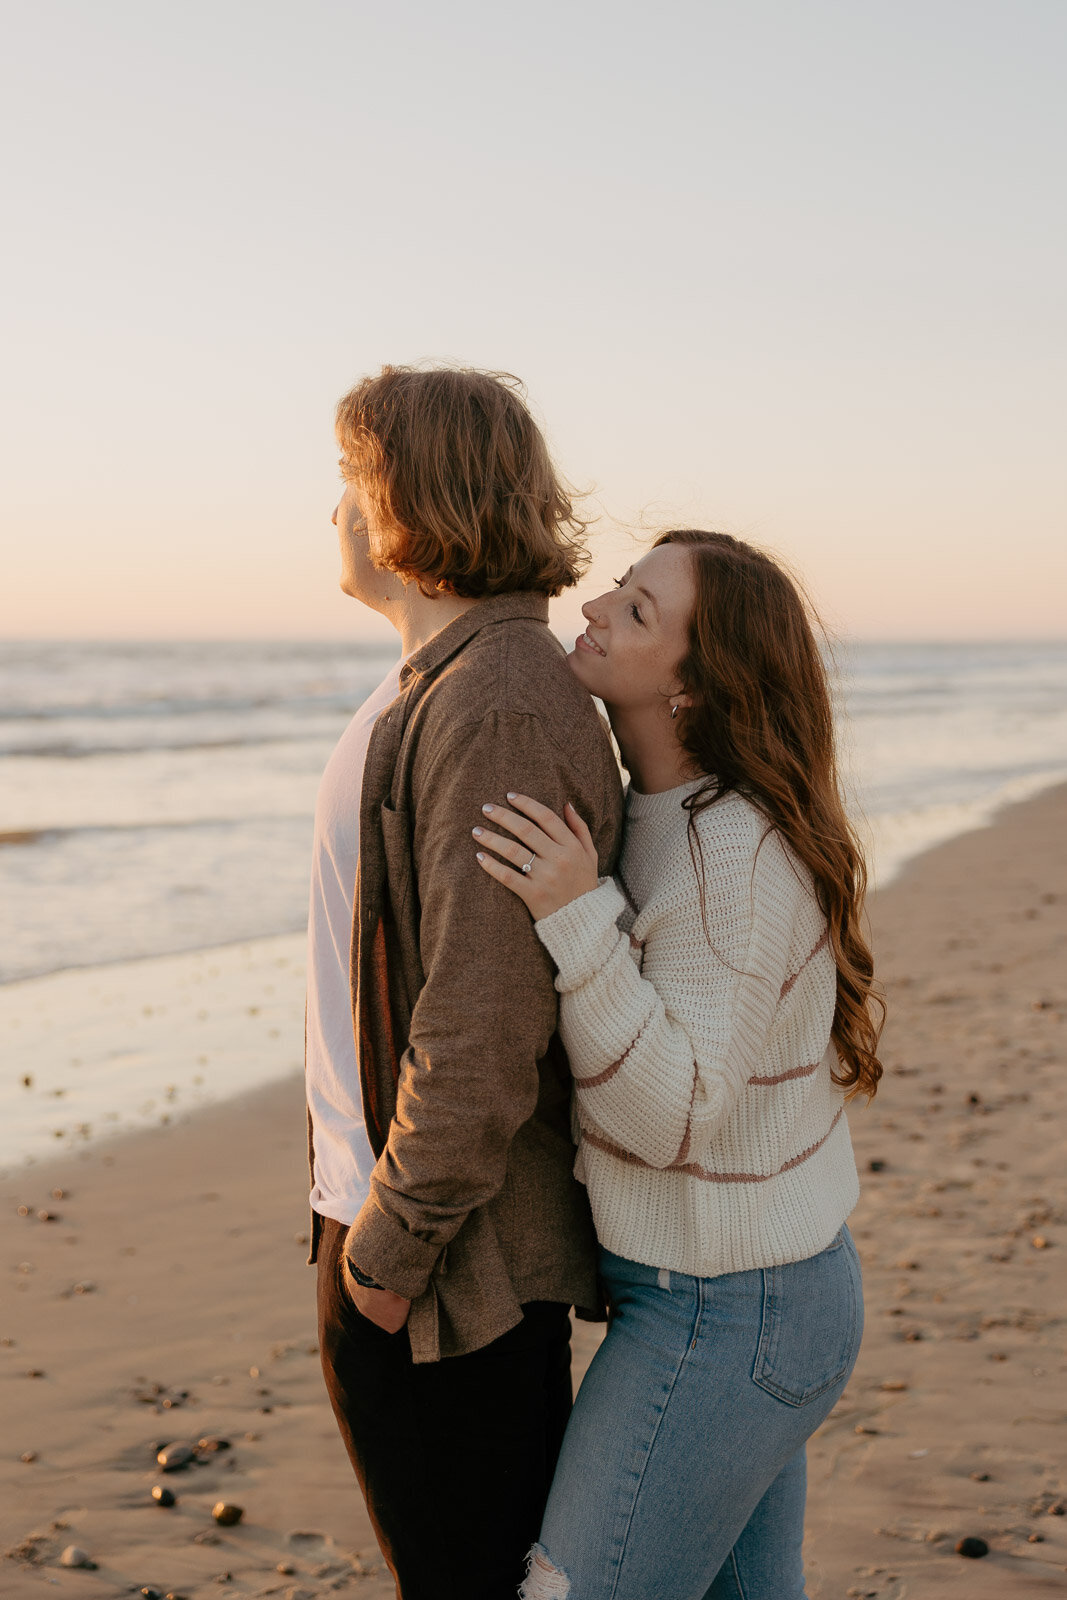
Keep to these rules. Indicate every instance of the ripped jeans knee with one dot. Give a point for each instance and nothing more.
(543, 1580)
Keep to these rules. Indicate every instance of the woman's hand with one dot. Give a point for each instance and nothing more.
(553, 859)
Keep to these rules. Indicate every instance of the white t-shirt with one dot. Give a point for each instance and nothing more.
(343, 1156)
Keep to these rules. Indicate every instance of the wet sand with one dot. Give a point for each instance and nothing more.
(165, 1298)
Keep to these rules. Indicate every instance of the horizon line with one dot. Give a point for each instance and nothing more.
(836, 635)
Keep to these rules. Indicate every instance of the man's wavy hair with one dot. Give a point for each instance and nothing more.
(462, 487)
(761, 722)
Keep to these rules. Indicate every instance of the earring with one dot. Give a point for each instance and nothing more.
(674, 712)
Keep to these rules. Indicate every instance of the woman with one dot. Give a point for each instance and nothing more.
(717, 1007)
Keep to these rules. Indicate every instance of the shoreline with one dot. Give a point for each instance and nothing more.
(890, 854)
(154, 1037)
(167, 1298)
(160, 955)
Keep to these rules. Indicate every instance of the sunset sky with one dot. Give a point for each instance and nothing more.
(792, 270)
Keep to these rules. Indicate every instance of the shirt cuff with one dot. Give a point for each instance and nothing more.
(394, 1257)
(582, 935)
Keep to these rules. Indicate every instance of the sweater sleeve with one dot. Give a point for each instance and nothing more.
(660, 1055)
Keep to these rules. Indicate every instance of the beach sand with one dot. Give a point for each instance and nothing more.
(167, 1298)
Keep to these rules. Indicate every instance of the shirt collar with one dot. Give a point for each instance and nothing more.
(433, 655)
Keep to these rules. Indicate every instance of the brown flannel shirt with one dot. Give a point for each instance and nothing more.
(473, 1208)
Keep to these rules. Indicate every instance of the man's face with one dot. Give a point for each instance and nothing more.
(356, 535)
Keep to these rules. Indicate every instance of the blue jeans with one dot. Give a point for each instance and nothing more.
(682, 1475)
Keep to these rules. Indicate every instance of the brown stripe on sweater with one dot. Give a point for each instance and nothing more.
(609, 1072)
(692, 1170)
(789, 982)
(784, 1077)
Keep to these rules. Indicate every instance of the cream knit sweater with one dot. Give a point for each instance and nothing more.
(712, 1136)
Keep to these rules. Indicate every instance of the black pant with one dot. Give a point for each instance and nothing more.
(454, 1457)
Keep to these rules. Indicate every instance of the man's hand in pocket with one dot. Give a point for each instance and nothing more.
(380, 1306)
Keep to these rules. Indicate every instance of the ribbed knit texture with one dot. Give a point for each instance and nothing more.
(712, 1136)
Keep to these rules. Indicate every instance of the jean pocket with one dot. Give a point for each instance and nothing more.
(812, 1324)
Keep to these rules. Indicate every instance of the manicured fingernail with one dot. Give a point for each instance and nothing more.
(479, 855)
(487, 808)
(512, 794)
(477, 832)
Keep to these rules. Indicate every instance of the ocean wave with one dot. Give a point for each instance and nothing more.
(896, 838)
(74, 752)
(161, 798)
(338, 702)
(14, 837)
(88, 896)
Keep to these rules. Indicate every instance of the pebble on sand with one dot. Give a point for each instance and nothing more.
(75, 1556)
(227, 1515)
(973, 1548)
(173, 1456)
(163, 1496)
(209, 1445)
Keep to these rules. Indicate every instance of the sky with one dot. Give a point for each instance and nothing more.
(795, 271)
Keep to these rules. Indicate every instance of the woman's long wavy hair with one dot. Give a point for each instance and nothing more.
(761, 724)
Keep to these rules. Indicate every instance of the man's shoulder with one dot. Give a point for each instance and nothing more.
(509, 699)
(511, 684)
(514, 667)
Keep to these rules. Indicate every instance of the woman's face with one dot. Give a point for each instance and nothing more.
(638, 632)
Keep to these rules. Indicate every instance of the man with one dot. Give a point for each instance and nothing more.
(450, 1235)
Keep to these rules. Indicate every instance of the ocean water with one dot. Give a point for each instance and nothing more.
(156, 798)
(156, 808)
(936, 738)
